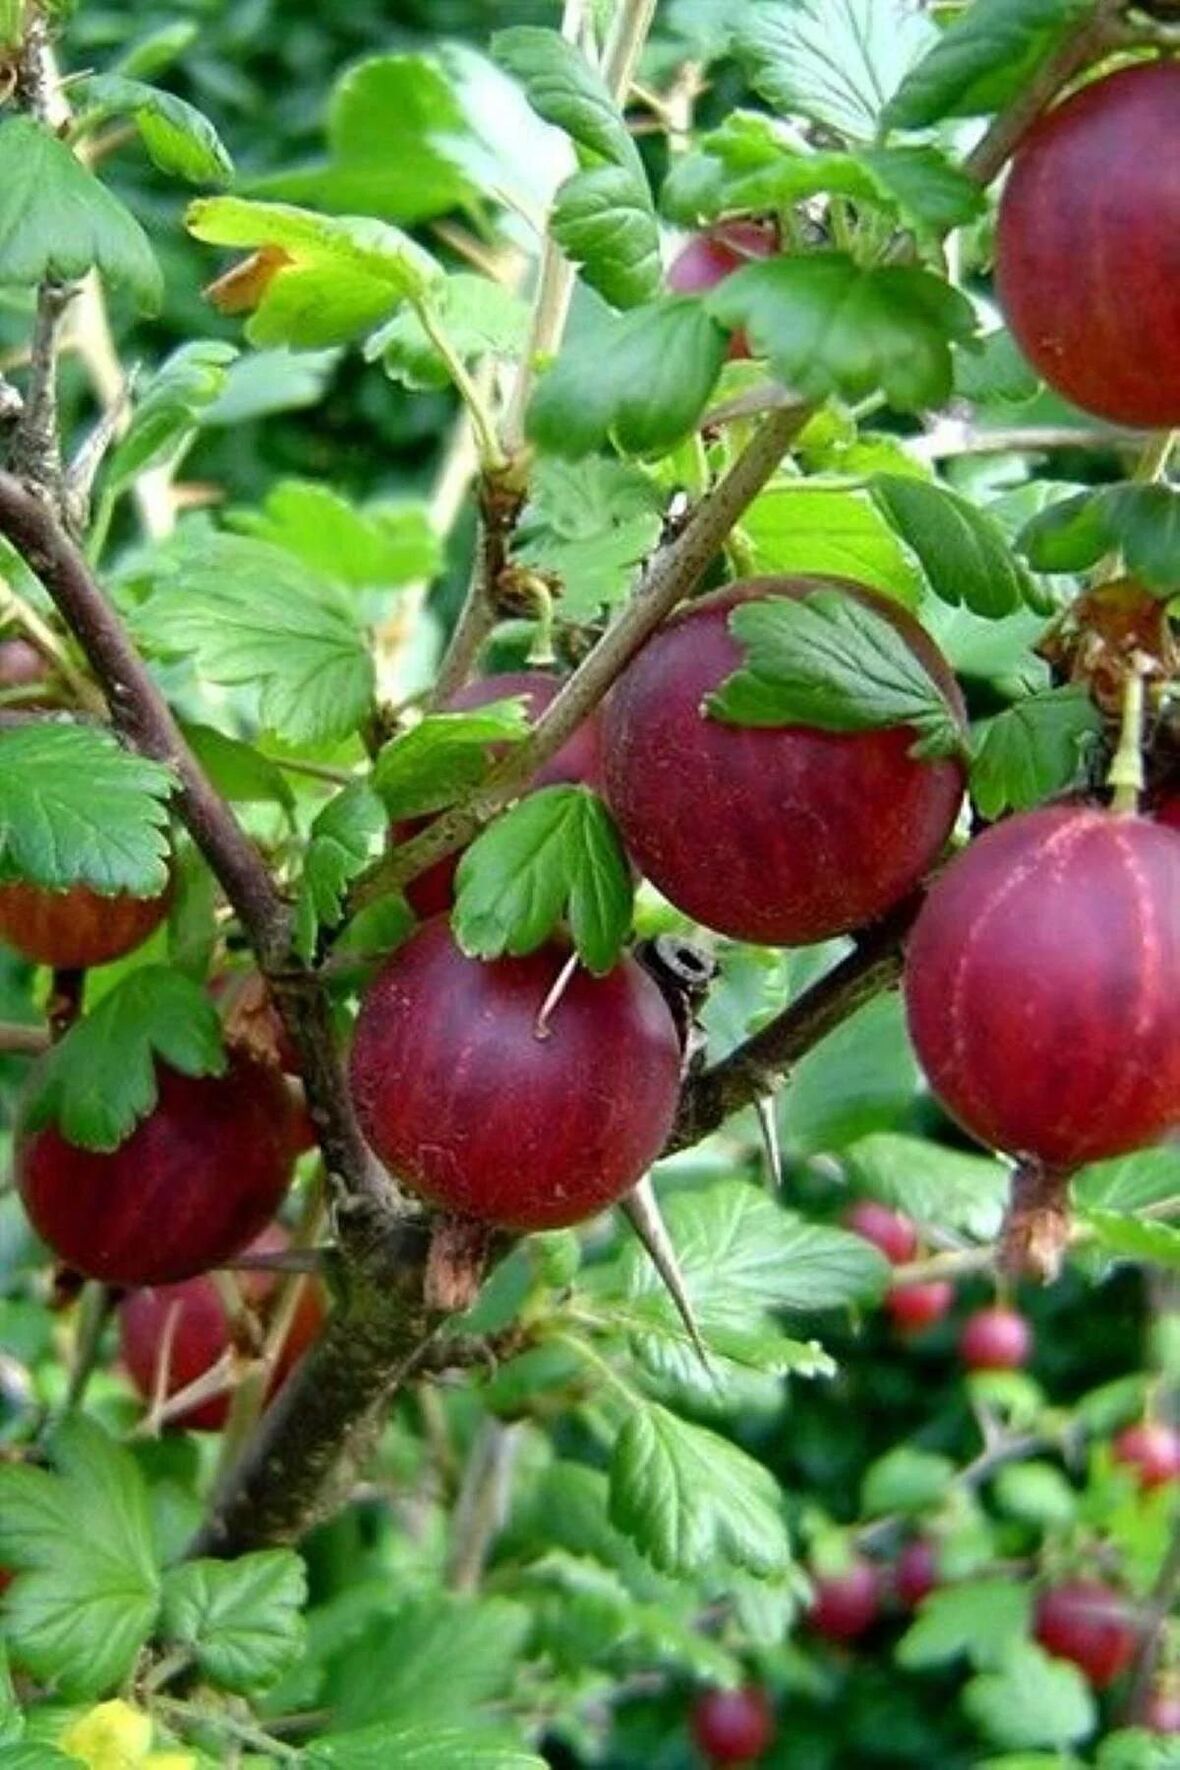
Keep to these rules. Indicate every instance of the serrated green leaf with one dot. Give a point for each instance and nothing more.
(76, 808)
(828, 661)
(85, 1597)
(418, 1748)
(99, 1080)
(556, 855)
(168, 412)
(986, 55)
(1031, 1700)
(1129, 1182)
(178, 137)
(591, 525)
(242, 1619)
(1038, 1493)
(931, 1182)
(437, 1654)
(692, 1501)
(241, 774)
(478, 317)
(249, 612)
(962, 550)
(344, 838)
(1135, 1238)
(380, 546)
(347, 273)
(638, 379)
(1033, 750)
(996, 373)
(801, 527)
(1142, 522)
(836, 61)
(862, 1077)
(830, 325)
(980, 1619)
(57, 221)
(430, 765)
(906, 1480)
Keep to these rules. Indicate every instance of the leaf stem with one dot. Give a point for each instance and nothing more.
(1126, 769)
(492, 458)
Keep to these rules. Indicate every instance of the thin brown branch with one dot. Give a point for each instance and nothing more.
(22, 1041)
(501, 499)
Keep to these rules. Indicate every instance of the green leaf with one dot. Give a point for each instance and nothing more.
(344, 838)
(418, 1748)
(996, 373)
(57, 221)
(168, 413)
(603, 217)
(249, 612)
(800, 527)
(438, 759)
(267, 381)
(987, 55)
(100, 1079)
(1135, 1238)
(379, 547)
(591, 524)
(906, 1480)
(178, 137)
(347, 274)
(693, 1502)
(397, 142)
(1129, 1182)
(980, 1620)
(1142, 522)
(76, 808)
(479, 318)
(640, 380)
(836, 61)
(828, 661)
(1037, 1493)
(556, 855)
(830, 325)
(1031, 1700)
(930, 1182)
(85, 1597)
(240, 773)
(435, 1655)
(1033, 750)
(862, 1077)
(242, 1619)
(962, 550)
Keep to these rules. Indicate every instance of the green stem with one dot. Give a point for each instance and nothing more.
(491, 456)
(1126, 769)
(587, 1353)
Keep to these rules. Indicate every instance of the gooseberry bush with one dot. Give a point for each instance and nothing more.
(589, 884)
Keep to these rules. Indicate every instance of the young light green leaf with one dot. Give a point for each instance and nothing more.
(830, 325)
(906, 1479)
(249, 612)
(961, 549)
(76, 808)
(980, 1619)
(240, 773)
(800, 527)
(430, 765)
(1031, 1700)
(381, 546)
(57, 221)
(986, 55)
(437, 1654)
(639, 379)
(1129, 1182)
(178, 137)
(479, 318)
(1036, 1493)
(417, 1748)
(1135, 1238)
(168, 413)
(691, 1501)
(1033, 750)
(1142, 522)
(556, 855)
(85, 1597)
(344, 838)
(591, 525)
(242, 1619)
(828, 661)
(100, 1079)
(836, 61)
(932, 1183)
(337, 277)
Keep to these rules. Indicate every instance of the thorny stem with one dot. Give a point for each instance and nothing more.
(482, 1502)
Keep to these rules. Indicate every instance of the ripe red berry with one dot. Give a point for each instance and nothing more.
(913, 1307)
(714, 254)
(1085, 265)
(1152, 1448)
(732, 1726)
(915, 1572)
(1087, 1622)
(187, 1324)
(76, 928)
(481, 1112)
(995, 1339)
(1043, 985)
(577, 762)
(783, 835)
(893, 1234)
(22, 666)
(1168, 811)
(846, 1604)
(1162, 1712)
(195, 1181)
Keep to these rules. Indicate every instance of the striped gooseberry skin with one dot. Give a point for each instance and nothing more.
(781, 835)
(483, 1112)
(1042, 985)
(1088, 246)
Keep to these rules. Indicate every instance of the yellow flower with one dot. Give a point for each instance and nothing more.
(115, 1736)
